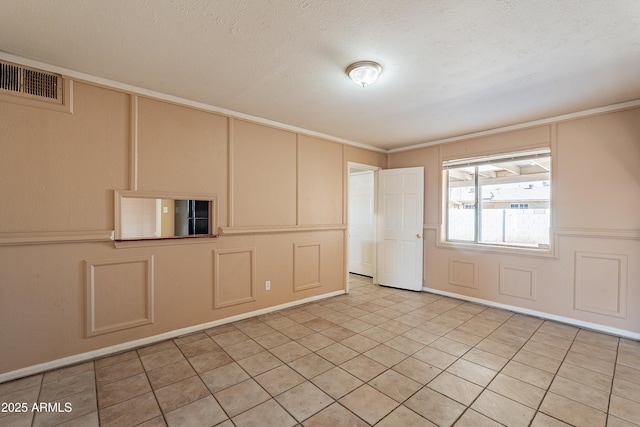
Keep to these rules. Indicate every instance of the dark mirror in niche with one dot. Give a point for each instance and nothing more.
(145, 216)
(191, 217)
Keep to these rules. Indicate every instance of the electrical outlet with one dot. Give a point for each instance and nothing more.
(267, 285)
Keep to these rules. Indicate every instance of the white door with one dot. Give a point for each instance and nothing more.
(400, 227)
(362, 227)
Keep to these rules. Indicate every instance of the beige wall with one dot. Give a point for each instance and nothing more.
(264, 175)
(593, 275)
(65, 289)
(58, 169)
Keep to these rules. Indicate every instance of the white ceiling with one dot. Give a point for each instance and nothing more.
(449, 67)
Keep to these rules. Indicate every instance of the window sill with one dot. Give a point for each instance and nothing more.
(548, 253)
(166, 241)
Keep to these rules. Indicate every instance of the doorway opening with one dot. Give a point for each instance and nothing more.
(361, 220)
(385, 225)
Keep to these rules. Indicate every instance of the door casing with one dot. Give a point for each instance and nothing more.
(352, 166)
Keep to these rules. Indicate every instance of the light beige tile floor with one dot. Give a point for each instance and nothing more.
(378, 356)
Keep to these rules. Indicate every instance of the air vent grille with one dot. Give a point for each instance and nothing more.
(28, 81)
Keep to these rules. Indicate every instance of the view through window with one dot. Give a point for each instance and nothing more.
(500, 200)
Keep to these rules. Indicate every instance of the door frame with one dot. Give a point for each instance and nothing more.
(360, 167)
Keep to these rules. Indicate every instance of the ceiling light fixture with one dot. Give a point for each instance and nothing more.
(364, 73)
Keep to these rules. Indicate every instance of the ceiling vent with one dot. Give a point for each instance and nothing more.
(30, 83)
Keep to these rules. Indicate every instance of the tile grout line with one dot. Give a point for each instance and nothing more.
(253, 379)
(95, 379)
(443, 370)
(33, 415)
(337, 400)
(200, 377)
(468, 407)
(146, 374)
(554, 378)
(613, 378)
(485, 388)
(260, 385)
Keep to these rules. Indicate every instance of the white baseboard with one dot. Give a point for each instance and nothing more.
(82, 357)
(541, 314)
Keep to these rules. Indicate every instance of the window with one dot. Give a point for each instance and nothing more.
(499, 200)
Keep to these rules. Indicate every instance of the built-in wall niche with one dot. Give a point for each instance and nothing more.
(154, 216)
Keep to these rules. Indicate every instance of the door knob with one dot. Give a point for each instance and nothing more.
(418, 235)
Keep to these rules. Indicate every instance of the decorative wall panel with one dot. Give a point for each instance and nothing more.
(463, 272)
(234, 276)
(601, 283)
(263, 176)
(306, 266)
(517, 281)
(320, 181)
(119, 294)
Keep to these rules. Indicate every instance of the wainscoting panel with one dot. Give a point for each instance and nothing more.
(601, 283)
(119, 294)
(463, 272)
(234, 276)
(517, 281)
(306, 266)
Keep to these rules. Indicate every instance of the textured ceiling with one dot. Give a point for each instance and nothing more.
(450, 67)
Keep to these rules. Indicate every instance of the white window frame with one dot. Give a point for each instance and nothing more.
(444, 241)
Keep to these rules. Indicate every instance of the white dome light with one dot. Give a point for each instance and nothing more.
(364, 73)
